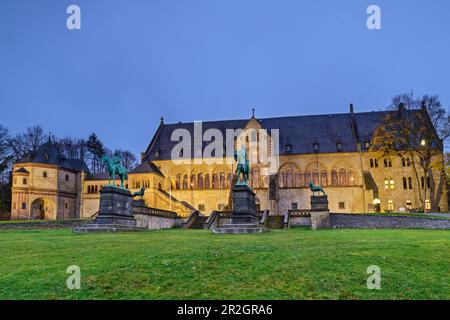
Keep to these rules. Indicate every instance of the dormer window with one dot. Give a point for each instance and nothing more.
(339, 147)
(157, 153)
(181, 153)
(366, 145)
(46, 156)
(288, 148)
(316, 147)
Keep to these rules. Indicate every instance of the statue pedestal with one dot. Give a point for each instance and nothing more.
(244, 218)
(115, 213)
(320, 214)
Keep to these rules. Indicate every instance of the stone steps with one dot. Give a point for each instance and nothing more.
(105, 228)
(238, 230)
(240, 225)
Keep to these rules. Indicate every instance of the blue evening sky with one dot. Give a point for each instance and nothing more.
(134, 61)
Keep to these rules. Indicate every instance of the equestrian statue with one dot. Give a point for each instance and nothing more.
(243, 167)
(113, 166)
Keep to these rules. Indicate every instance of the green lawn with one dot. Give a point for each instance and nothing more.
(196, 264)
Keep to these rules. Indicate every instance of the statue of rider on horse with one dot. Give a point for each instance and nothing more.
(243, 167)
(113, 166)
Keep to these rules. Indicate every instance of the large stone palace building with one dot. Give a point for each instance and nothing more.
(330, 150)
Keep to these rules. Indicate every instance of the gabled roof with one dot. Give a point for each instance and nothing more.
(99, 176)
(147, 167)
(22, 170)
(48, 154)
(298, 134)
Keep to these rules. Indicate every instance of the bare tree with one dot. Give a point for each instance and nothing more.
(128, 158)
(34, 137)
(417, 131)
(5, 153)
(71, 147)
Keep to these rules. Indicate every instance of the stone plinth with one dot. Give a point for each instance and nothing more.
(320, 214)
(319, 203)
(243, 200)
(244, 218)
(115, 213)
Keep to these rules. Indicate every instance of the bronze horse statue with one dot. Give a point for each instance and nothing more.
(140, 193)
(315, 188)
(114, 167)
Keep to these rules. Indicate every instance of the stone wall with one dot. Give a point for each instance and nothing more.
(153, 222)
(299, 221)
(360, 221)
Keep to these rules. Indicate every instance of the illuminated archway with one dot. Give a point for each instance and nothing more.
(43, 208)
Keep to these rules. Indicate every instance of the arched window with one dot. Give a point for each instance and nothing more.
(215, 181)
(96, 189)
(159, 186)
(403, 162)
(193, 181)
(24, 205)
(88, 189)
(371, 163)
(334, 178)
(323, 178)
(44, 174)
(185, 182)
(222, 180)
(385, 162)
(351, 178)
(229, 180)
(178, 182)
(282, 179)
(67, 177)
(342, 177)
(405, 184)
(297, 179)
(408, 162)
(315, 177)
(410, 183)
(289, 180)
(307, 178)
(200, 181)
(207, 181)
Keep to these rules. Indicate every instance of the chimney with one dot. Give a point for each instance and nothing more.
(401, 107)
(351, 108)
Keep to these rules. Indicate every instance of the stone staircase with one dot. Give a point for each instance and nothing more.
(239, 228)
(242, 224)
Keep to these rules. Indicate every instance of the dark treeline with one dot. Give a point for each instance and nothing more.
(15, 147)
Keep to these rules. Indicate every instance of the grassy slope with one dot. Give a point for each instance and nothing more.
(195, 264)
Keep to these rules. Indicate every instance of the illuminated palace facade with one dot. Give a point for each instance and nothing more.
(334, 151)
